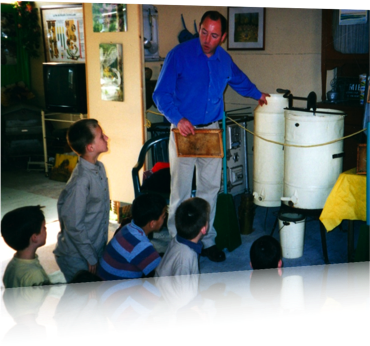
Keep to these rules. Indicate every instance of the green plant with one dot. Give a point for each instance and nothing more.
(29, 28)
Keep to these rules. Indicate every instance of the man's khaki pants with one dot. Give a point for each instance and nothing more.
(208, 180)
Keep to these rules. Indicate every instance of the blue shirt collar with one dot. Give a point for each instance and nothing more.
(215, 56)
(197, 247)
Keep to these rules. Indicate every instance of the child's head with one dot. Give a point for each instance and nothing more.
(84, 132)
(191, 216)
(19, 225)
(147, 208)
(265, 253)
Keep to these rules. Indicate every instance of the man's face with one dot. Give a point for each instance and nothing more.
(160, 221)
(210, 36)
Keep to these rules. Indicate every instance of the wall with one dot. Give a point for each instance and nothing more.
(121, 121)
(291, 60)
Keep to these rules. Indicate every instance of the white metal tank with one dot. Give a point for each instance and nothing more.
(268, 158)
(310, 173)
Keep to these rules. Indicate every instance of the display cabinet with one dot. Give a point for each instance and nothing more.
(347, 65)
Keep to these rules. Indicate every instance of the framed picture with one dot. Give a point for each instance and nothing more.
(246, 28)
(111, 71)
(109, 17)
(63, 33)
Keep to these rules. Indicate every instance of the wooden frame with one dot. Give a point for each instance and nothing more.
(204, 143)
(63, 33)
(361, 158)
(246, 28)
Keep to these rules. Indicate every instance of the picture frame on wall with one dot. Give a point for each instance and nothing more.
(246, 29)
(111, 71)
(109, 17)
(63, 33)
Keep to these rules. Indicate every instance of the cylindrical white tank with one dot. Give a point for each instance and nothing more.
(268, 158)
(310, 173)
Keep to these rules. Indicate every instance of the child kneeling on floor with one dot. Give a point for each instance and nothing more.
(23, 229)
(266, 285)
(130, 254)
(182, 254)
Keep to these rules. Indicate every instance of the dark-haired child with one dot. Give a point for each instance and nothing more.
(130, 254)
(84, 204)
(182, 254)
(24, 230)
(265, 285)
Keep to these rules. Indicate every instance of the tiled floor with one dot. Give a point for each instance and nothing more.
(309, 281)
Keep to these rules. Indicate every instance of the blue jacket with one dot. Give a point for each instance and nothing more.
(191, 85)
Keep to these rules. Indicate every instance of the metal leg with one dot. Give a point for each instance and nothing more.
(44, 143)
(273, 228)
(323, 243)
(351, 269)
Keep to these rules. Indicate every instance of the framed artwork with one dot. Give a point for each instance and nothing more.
(109, 17)
(63, 33)
(246, 28)
(111, 71)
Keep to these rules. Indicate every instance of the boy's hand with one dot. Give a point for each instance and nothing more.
(92, 268)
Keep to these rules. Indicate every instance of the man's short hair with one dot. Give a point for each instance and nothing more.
(18, 225)
(265, 253)
(80, 134)
(147, 207)
(214, 15)
(191, 216)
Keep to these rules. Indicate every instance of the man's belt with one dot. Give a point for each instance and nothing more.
(205, 125)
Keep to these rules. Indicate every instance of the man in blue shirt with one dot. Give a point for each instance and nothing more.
(189, 93)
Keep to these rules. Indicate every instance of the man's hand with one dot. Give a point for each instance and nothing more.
(262, 101)
(185, 127)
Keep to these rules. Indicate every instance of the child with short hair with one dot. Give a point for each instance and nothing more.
(265, 285)
(130, 254)
(84, 204)
(182, 254)
(23, 229)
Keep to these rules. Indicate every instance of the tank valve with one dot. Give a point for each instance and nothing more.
(260, 197)
(291, 200)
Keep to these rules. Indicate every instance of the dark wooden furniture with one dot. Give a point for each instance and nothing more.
(348, 65)
(21, 131)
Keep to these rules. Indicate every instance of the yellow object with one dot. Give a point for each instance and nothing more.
(346, 201)
(332, 306)
(64, 165)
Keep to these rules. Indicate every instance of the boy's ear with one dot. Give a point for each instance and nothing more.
(204, 229)
(90, 147)
(33, 238)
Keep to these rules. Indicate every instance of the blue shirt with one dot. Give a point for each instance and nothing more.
(191, 85)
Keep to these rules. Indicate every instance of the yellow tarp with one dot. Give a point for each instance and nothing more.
(331, 306)
(346, 201)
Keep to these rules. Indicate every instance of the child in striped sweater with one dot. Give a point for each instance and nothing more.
(128, 294)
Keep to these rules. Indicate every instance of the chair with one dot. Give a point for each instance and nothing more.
(157, 147)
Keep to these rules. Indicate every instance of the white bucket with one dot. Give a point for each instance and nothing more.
(291, 228)
(310, 173)
(268, 158)
(292, 293)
